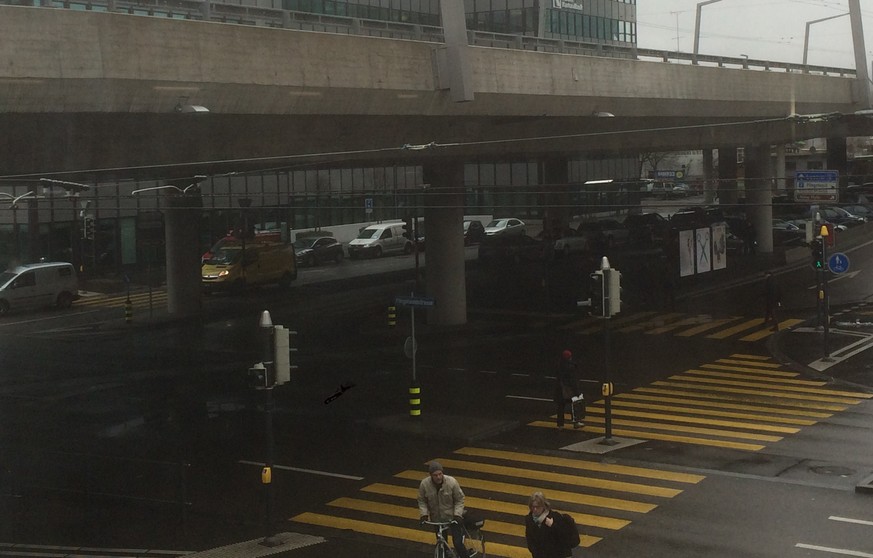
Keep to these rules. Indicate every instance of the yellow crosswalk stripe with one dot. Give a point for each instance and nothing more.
(696, 420)
(756, 370)
(764, 333)
(742, 395)
(689, 429)
(693, 320)
(761, 359)
(509, 508)
(703, 328)
(496, 487)
(700, 400)
(572, 480)
(644, 435)
(711, 412)
(583, 465)
(657, 321)
(852, 398)
(769, 380)
(725, 333)
(554, 495)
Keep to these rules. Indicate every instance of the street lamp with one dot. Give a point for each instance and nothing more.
(697, 28)
(806, 35)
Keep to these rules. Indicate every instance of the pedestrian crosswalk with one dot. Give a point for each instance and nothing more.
(138, 300)
(682, 325)
(743, 402)
(602, 497)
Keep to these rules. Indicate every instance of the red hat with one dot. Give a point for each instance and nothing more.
(567, 355)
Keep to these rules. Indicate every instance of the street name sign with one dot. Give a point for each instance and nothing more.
(816, 186)
(414, 301)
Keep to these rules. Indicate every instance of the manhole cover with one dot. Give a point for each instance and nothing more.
(832, 470)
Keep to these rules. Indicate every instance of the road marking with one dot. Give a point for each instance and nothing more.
(530, 398)
(725, 333)
(18, 549)
(850, 520)
(299, 470)
(840, 551)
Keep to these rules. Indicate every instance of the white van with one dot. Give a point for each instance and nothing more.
(376, 240)
(38, 285)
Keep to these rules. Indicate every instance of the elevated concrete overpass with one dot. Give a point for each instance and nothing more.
(88, 90)
(92, 96)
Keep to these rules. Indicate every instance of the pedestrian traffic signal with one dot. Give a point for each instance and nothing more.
(407, 228)
(257, 376)
(818, 254)
(88, 228)
(598, 294)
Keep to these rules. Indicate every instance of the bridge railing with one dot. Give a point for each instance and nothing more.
(220, 12)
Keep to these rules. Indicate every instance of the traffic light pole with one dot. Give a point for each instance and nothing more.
(826, 307)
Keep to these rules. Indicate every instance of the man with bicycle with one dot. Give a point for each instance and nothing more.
(440, 499)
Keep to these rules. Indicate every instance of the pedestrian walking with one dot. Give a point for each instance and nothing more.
(549, 534)
(772, 300)
(567, 391)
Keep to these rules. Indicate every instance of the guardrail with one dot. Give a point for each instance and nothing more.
(219, 12)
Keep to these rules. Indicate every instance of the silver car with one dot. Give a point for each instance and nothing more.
(505, 227)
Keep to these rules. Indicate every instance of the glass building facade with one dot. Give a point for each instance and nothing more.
(128, 232)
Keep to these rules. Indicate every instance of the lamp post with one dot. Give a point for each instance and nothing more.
(806, 35)
(697, 28)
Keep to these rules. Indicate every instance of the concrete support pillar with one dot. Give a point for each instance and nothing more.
(557, 213)
(780, 188)
(759, 197)
(182, 239)
(709, 182)
(444, 218)
(838, 160)
(727, 175)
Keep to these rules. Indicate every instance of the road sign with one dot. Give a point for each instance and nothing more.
(368, 205)
(416, 301)
(838, 263)
(813, 186)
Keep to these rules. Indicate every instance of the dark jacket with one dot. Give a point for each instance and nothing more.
(567, 375)
(547, 542)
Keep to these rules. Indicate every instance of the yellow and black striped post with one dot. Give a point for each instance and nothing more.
(128, 311)
(392, 316)
(415, 401)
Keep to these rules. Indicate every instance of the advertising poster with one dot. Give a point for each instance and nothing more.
(686, 253)
(704, 251)
(719, 247)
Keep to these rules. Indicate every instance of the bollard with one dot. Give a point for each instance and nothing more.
(128, 311)
(392, 316)
(415, 401)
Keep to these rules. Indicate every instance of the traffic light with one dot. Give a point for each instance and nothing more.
(282, 354)
(257, 376)
(88, 228)
(818, 254)
(613, 292)
(598, 294)
(407, 228)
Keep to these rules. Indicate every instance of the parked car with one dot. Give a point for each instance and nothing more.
(514, 249)
(37, 285)
(646, 229)
(786, 233)
(474, 231)
(313, 250)
(835, 215)
(377, 240)
(680, 190)
(605, 233)
(861, 210)
(505, 227)
(575, 242)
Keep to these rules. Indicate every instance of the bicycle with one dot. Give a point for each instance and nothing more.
(475, 542)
